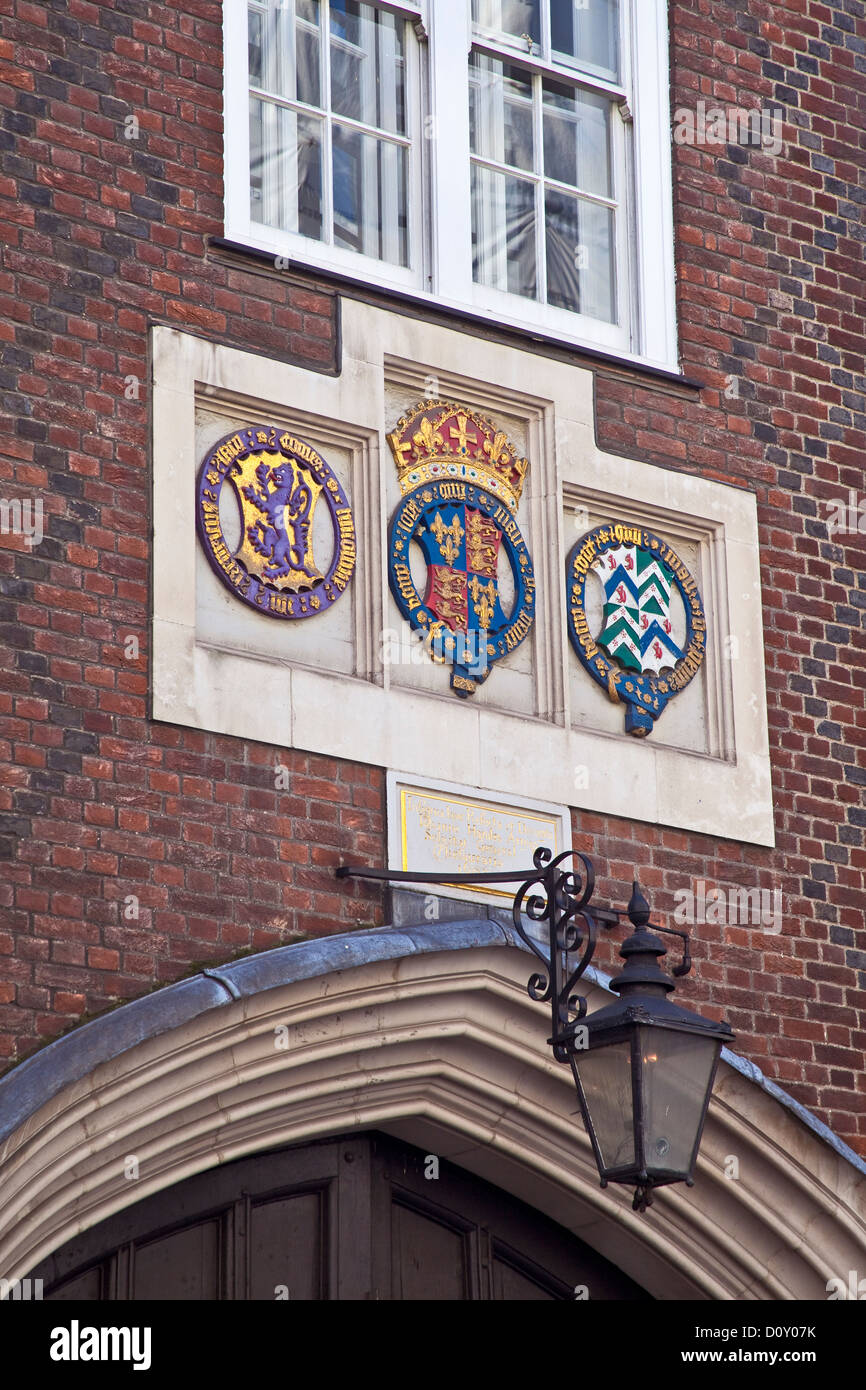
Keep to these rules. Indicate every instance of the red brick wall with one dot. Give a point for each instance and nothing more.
(772, 304)
(105, 235)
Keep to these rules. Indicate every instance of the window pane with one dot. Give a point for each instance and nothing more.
(577, 138)
(503, 232)
(500, 112)
(307, 79)
(284, 51)
(580, 266)
(513, 17)
(676, 1075)
(255, 40)
(370, 195)
(285, 169)
(606, 1077)
(586, 34)
(367, 66)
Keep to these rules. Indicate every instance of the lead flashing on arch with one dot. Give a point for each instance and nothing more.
(66, 1060)
(70, 1058)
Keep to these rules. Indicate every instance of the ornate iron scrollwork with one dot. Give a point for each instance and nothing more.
(564, 901)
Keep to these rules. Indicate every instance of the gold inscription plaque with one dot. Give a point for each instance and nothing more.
(440, 830)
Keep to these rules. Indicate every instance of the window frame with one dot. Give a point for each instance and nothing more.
(541, 313)
(439, 223)
(292, 245)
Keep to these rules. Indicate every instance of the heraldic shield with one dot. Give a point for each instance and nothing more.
(635, 657)
(278, 482)
(462, 480)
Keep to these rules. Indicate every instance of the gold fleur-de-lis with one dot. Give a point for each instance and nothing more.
(427, 438)
(483, 600)
(494, 449)
(448, 538)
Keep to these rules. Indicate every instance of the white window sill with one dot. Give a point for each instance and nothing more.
(358, 285)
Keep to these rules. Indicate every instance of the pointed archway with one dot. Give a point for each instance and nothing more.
(428, 1036)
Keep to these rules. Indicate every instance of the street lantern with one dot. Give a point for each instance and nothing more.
(644, 1070)
(643, 1067)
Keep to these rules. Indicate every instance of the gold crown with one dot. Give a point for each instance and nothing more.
(438, 440)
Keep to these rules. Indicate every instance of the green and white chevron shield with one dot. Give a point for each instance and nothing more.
(637, 624)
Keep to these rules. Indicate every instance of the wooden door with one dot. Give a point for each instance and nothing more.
(360, 1217)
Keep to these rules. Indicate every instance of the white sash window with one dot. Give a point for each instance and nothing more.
(330, 137)
(507, 157)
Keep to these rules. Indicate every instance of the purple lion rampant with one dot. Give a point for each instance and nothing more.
(282, 494)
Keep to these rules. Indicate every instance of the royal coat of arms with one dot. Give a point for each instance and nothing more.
(278, 483)
(462, 480)
(635, 656)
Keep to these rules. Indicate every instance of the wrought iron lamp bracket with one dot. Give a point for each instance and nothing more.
(562, 903)
(563, 907)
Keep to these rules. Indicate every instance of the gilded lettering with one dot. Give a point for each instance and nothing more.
(409, 516)
(406, 587)
(584, 560)
(516, 634)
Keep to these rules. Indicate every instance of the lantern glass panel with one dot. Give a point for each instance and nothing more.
(676, 1071)
(605, 1075)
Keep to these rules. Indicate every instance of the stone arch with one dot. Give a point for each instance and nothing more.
(428, 1035)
